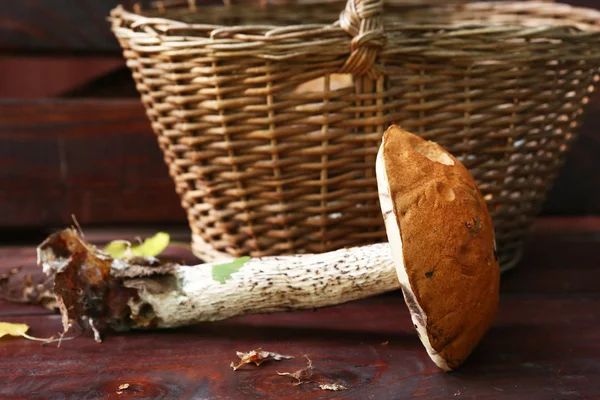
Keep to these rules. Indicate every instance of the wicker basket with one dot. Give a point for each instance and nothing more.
(270, 117)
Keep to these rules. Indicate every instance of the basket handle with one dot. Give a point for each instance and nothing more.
(362, 20)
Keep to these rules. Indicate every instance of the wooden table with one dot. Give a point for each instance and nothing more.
(544, 344)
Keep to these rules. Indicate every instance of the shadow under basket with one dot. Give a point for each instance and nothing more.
(270, 116)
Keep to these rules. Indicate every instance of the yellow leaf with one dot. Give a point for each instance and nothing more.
(117, 248)
(151, 247)
(9, 329)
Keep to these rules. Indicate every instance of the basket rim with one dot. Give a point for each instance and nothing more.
(587, 21)
(462, 41)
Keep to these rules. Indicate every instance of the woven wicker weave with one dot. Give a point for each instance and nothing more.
(267, 161)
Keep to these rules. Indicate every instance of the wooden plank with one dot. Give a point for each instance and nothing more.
(52, 165)
(560, 257)
(33, 77)
(542, 345)
(36, 25)
(96, 159)
(539, 348)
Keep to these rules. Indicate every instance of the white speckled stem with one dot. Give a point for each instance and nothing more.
(265, 285)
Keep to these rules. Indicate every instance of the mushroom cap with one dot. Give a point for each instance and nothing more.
(443, 245)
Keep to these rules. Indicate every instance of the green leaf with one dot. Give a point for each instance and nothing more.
(222, 272)
(151, 247)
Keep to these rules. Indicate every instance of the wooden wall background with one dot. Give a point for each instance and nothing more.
(66, 97)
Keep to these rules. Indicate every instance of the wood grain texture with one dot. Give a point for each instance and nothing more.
(543, 344)
(538, 349)
(43, 77)
(63, 26)
(53, 163)
(96, 159)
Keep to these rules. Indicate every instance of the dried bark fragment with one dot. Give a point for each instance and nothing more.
(88, 283)
(257, 357)
(302, 375)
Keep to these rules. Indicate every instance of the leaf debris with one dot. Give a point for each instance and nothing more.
(302, 375)
(257, 356)
(123, 387)
(334, 386)
(151, 247)
(10, 329)
(25, 290)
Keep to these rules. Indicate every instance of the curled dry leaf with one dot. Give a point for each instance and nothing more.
(257, 357)
(334, 386)
(302, 375)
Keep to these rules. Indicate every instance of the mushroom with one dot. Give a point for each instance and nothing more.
(440, 253)
(442, 240)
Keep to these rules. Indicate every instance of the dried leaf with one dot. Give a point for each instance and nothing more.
(151, 247)
(26, 290)
(123, 387)
(222, 272)
(89, 283)
(10, 329)
(302, 375)
(257, 357)
(332, 386)
(4, 278)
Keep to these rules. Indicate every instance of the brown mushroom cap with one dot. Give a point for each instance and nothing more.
(443, 244)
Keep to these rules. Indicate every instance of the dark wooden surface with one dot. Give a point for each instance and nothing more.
(29, 77)
(544, 344)
(63, 26)
(76, 99)
(96, 159)
(99, 160)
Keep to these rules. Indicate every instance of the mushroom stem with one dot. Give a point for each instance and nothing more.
(143, 293)
(265, 285)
